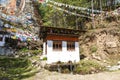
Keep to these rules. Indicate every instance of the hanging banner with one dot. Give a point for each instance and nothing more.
(69, 12)
(41, 1)
(74, 7)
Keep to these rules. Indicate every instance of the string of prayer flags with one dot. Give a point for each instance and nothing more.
(69, 12)
(74, 7)
(41, 1)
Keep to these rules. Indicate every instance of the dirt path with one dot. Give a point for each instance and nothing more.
(46, 75)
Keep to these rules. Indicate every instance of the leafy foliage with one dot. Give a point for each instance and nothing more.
(45, 58)
(55, 18)
(14, 68)
(93, 49)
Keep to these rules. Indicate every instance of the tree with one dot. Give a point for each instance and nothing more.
(57, 18)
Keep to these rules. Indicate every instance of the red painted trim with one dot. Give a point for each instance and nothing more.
(62, 38)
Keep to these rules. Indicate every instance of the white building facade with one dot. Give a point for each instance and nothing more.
(61, 53)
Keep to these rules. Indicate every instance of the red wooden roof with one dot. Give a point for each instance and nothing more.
(50, 32)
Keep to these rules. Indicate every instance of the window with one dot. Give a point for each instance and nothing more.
(57, 45)
(70, 46)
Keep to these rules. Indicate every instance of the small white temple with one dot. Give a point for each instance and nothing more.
(60, 44)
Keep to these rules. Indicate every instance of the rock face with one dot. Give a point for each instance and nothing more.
(101, 43)
(6, 51)
(108, 41)
(26, 14)
(27, 20)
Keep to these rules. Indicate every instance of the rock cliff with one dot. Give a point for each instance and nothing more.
(100, 43)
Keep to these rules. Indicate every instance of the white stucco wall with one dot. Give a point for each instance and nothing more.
(64, 55)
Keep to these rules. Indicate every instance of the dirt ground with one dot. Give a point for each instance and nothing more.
(46, 75)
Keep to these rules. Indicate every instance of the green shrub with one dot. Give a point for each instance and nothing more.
(93, 49)
(36, 52)
(13, 68)
(81, 50)
(24, 49)
(88, 67)
(45, 58)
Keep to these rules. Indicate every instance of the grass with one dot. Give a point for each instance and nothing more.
(93, 49)
(16, 68)
(88, 67)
